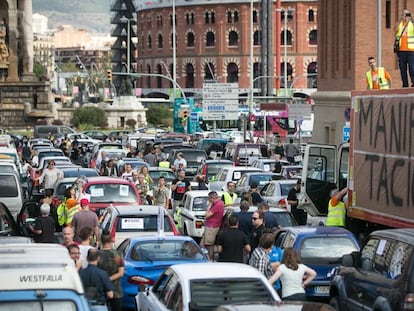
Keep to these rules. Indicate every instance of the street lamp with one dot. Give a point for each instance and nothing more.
(128, 21)
(251, 103)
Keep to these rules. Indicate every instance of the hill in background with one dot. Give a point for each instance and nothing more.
(92, 15)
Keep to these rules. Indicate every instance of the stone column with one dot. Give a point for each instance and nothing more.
(27, 47)
(12, 75)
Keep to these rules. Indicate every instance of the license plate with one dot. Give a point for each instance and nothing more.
(322, 289)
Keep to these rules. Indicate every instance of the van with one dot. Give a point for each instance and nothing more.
(42, 131)
(245, 154)
(11, 191)
(34, 279)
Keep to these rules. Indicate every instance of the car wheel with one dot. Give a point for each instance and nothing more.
(334, 303)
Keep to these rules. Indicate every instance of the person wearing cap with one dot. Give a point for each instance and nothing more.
(44, 228)
(179, 162)
(179, 187)
(85, 218)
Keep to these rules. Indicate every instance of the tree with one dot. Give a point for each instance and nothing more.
(89, 115)
(158, 114)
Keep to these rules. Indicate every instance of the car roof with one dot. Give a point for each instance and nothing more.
(292, 181)
(216, 270)
(198, 193)
(242, 168)
(106, 180)
(404, 235)
(163, 237)
(285, 306)
(317, 230)
(135, 209)
(157, 168)
(224, 161)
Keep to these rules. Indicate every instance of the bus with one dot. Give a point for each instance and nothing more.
(277, 124)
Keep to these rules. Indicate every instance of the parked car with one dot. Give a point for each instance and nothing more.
(135, 164)
(290, 172)
(213, 284)
(267, 165)
(284, 306)
(249, 178)
(227, 174)
(134, 220)
(276, 191)
(320, 248)
(76, 171)
(95, 134)
(147, 257)
(209, 168)
(193, 157)
(246, 153)
(8, 225)
(104, 191)
(193, 211)
(379, 277)
(284, 218)
(58, 131)
(11, 191)
(82, 139)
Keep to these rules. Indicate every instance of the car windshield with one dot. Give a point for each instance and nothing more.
(285, 188)
(213, 168)
(326, 248)
(249, 152)
(80, 172)
(260, 180)
(8, 186)
(161, 250)
(168, 175)
(194, 156)
(111, 193)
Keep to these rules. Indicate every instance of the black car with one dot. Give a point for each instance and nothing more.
(379, 277)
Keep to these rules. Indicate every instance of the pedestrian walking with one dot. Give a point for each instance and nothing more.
(44, 227)
(291, 152)
(300, 215)
(258, 228)
(85, 218)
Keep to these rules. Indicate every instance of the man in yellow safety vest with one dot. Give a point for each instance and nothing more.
(229, 197)
(377, 77)
(337, 209)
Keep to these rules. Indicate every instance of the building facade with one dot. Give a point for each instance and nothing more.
(214, 41)
(350, 32)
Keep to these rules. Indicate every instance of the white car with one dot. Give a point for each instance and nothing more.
(193, 211)
(205, 286)
(275, 193)
(134, 220)
(83, 139)
(226, 174)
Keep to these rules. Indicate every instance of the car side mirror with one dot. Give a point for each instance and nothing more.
(348, 260)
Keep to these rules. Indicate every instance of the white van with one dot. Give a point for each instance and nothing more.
(11, 191)
(39, 277)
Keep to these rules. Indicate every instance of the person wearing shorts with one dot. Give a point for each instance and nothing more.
(213, 220)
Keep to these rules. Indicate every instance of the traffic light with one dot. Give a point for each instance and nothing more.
(109, 74)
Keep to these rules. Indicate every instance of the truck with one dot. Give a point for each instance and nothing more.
(376, 164)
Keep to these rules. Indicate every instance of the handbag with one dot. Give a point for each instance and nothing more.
(397, 42)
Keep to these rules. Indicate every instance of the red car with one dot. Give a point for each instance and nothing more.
(104, 191)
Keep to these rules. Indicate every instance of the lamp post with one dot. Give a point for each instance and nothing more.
(251, 103)
(174, 44)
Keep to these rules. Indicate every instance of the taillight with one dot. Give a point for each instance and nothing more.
(282, 203)
(140, 280)
(113, 231)
(199, 224)
(408, 302)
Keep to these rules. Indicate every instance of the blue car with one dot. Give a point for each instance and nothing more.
(146, 257)
(320, 248)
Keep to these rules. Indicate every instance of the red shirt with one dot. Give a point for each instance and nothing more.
(218, 211)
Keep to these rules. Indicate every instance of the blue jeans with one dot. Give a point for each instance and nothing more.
(406, 61)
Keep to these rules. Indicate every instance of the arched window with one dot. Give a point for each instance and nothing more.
(233, 38)
(257, 72)
(149, 42)
(313, 37)
(190, 39)
(232, 73)
(142, 42)
(209, 71)
(311, 15)
(160, 41)
(312, 75)
(213, 18)
(192, 18)
(210, 39)
(171, 40)
(187, 18)
(257, 38)
(189, 79)
(236, 16)
(159, 79)
(170, 72)
(255, 16)
(148, 77)
(288, 73)
(206, 18)
(288, 37)
(229, 17)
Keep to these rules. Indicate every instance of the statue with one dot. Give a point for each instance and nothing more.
(4, 51)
